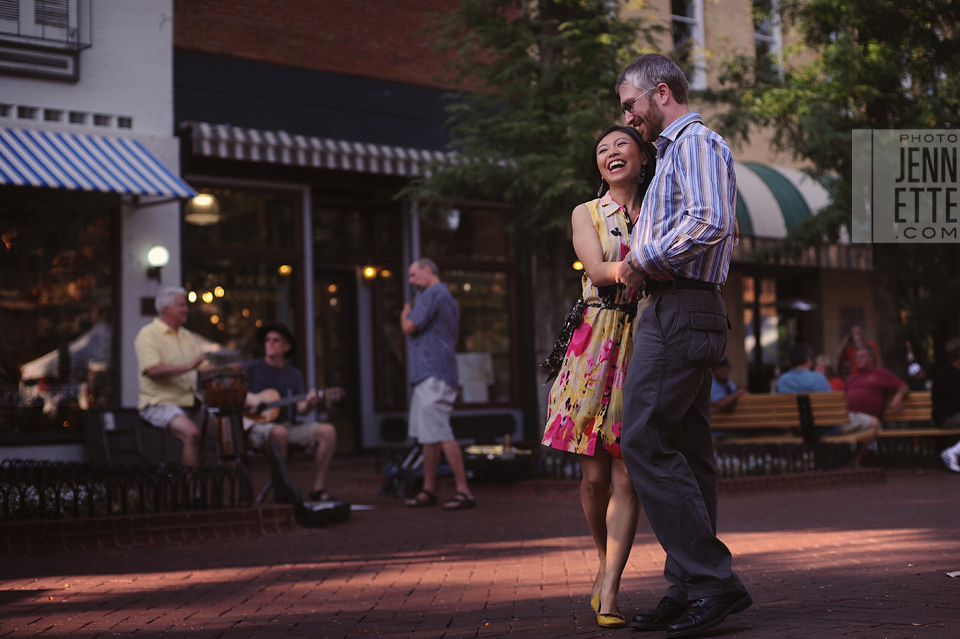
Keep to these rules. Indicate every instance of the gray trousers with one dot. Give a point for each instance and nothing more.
(666, 441)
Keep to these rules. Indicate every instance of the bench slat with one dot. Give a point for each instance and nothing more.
(918, 432)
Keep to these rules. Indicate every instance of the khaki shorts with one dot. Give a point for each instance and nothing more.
(162, 414)
(430, 408)
(300, 435)
(858, 422)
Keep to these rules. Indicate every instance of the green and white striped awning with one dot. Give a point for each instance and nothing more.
(772, 200)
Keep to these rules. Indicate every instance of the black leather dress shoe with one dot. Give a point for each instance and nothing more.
(666, 612)
(707, 612)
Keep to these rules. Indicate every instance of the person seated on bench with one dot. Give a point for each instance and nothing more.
(800, 378)
(868, 391)
(847, 350)
(945, 396)
(724, 393)
(168, 356)
(273, 381)
(824, 364)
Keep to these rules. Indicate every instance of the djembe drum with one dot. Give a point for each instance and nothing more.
(225, 386)
(225, 389)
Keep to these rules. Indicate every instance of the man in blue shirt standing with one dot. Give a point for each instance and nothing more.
(433, 326)
(801, 378)
(680, 250)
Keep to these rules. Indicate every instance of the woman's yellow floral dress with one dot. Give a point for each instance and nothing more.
(586, 401)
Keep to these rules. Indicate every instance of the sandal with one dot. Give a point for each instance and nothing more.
(320, 495)
(460, 501)
(423, 499)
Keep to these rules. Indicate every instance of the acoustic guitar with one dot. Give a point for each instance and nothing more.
(268, 402)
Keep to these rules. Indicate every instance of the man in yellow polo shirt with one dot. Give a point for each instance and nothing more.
(168, 356)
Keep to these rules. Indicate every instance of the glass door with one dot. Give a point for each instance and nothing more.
(338, 351)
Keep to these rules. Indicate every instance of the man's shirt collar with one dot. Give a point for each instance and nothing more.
(163, 326)
(673, 130)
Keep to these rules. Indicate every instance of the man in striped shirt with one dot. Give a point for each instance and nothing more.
(680, 251)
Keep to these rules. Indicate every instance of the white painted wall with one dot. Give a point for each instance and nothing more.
(142, 229)
(127, 72)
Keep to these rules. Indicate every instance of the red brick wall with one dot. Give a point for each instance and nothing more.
(370, 38)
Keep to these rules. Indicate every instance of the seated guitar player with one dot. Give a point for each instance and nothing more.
(276, 401)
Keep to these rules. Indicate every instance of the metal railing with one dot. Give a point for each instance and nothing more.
(43, 490)
(737, 460)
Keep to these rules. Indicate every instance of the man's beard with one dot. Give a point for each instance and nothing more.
(653, 122)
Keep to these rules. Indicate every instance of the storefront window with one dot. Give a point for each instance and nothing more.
(231, 298)
(249, 218)
(245, 269)
(471, 249)
(484, 350)
(465, 234)
(762, 334)
(57, 310)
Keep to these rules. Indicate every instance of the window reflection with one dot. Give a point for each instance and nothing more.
(235, 297)
(56, 309)
(244, 271)
(249, 217)
(471, 248)
(762, 334)
(464, 233)
(484, 350)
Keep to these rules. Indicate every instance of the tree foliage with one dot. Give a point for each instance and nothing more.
(876, 64)
(541, 74)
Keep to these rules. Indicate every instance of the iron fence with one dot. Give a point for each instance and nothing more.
(39, 490)
(738, 460)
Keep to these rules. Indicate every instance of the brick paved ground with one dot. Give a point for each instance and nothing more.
(862, 561)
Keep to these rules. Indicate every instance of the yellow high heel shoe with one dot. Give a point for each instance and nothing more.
(595, 602)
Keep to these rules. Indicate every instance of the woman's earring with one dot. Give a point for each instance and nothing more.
(602, 189)
(643, 174)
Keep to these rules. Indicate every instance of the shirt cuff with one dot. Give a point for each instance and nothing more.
(650, 259)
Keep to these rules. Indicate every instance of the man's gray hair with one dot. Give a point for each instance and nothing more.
(648, 71)
(426, 261)
(167, 296)
(869, 349)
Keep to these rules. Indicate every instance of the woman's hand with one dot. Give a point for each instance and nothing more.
(627, 275)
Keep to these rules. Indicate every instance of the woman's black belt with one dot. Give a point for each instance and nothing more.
(655, 286)
(629, 308)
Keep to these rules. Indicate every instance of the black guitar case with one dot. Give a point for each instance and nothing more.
(309, 514)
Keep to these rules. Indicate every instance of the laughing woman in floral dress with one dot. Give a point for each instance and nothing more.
(586, 399)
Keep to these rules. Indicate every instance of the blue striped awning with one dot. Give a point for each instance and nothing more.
(772, 200)
(85, 162)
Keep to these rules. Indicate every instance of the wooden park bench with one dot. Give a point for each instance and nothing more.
(915, 419)
(785, 418)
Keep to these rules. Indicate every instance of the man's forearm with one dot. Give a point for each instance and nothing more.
(408, 327)
(163, 371)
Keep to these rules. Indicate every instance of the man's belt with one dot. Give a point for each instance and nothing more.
(655, 286)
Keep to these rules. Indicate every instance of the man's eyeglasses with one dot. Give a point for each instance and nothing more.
(628, 107)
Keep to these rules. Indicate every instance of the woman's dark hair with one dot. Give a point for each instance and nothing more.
(645, 147)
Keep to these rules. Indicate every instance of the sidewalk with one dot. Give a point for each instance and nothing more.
(863, 560)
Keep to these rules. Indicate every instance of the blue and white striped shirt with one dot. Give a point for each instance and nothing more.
(687, 218)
